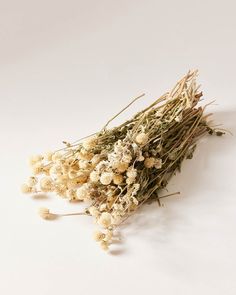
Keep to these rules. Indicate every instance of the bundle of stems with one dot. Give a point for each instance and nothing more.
(115, 171)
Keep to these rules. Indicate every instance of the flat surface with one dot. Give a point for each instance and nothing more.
(66, 67)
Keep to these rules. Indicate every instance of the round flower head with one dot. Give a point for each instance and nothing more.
(108, 236)
(96, 159)
(37, 168)
(130, 180)
(62, 179)
(98, 236)
(85, 155)
(84, 164)
(149, 162)
(26, 189)
(72, 174)
(60, 189)
(46, 184)
(82, 193)
(105, 219)
(90, 143)
(46, 170)
(131, 173)
(158, 163)
(35, 159)
(140, 156)
(82, 177)
(117, 179)
(65, 168)
(106, 178)
(71, 194)
(32, 181)
(104, 245)
(141, 138)
(121, 166)
(45, 213)
(71, 183)
(48, 156)
(94, 176)
(93, 211)
(56, 156)
(56, 169)
(103, 207)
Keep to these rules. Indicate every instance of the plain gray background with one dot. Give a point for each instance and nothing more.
(66, 67)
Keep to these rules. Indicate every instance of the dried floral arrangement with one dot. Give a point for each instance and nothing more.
(117, 170)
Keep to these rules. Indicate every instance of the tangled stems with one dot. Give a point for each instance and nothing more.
(115, 171)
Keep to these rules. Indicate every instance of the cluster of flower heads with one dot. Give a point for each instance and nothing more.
(117, 170)
(106, 181)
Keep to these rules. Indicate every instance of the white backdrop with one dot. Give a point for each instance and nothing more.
(65, 68)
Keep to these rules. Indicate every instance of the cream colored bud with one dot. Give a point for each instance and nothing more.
(103, 207)
(108, 236)
(32, 181)
(130, 180)
(45, 213)
(106, 178)
(84, 164)
(48, 156)
(121, 166)
(98, 236)
(56, 156)
(82, 193)
(131, 173)
(72, 174)
(46, 184)
(117, 179)
(149, 162)
(35, 159)
(26, 189)
(105, 219)
(96, 159)
(141, 138)
(90, 143)
(158, 163)
(104, 245)
(71, 194)
(94, 176)
(37, 168)
(85, 155)
(82, 177)
(55, 170)
(93, 211)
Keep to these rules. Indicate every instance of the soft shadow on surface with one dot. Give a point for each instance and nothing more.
(156, 223)
(40, 197)
(118, 244)
(117, 252)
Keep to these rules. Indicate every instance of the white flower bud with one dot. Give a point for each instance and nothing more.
(142, 138)
(106, 178)
(26, 189)
(93, 211)
(105, 219)
(98, 236)
(46, 184)
(90, 143)
(45, 213)
(94, 176)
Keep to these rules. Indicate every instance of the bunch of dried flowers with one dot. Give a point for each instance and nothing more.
(117, 170)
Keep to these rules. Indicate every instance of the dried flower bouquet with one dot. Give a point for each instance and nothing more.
(117, 170)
